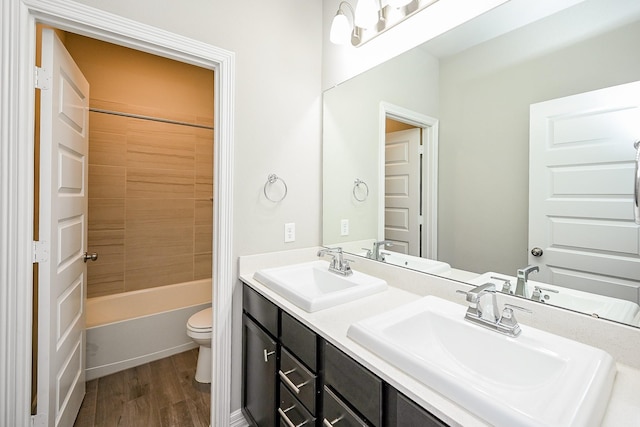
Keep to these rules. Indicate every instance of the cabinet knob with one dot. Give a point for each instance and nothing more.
(267, 354)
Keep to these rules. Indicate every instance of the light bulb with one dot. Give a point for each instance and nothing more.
(340, 29)
(366, 14)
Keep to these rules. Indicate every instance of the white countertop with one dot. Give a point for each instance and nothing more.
(332, 324)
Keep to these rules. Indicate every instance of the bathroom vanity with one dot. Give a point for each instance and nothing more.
(301, 368)
(293, 376)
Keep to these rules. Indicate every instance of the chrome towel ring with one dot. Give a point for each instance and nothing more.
(357, 189)
(272, 179)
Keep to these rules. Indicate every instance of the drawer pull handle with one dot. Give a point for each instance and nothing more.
(285, 418)
(327, 423)
(267, 354)
(292, 386)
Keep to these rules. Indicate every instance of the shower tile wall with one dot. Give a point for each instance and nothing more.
(150, 183)
(150, 207)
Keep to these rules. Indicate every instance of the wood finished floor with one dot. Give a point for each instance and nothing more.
(161, 393)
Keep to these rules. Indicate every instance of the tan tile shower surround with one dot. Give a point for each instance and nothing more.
(150, 206)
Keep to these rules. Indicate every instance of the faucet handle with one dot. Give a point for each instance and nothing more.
(537, 293)
(506, 284)
(517, 307)
(508, 320)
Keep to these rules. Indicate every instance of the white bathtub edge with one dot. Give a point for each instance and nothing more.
(121, 345)
(104, 370)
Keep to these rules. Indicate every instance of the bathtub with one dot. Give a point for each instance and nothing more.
(132, 328)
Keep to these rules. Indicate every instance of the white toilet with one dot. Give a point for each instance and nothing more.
(199, 328)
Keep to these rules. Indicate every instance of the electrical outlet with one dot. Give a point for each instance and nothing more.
(344, 227)
(290, 232)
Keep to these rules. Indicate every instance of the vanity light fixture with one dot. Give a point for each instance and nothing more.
(368, 13)
(341, 29)
(371, 18)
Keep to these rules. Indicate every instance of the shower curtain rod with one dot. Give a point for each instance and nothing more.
(153, 119)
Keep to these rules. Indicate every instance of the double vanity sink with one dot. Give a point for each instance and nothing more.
(532, 379)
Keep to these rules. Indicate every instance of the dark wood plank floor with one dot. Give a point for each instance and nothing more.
(161, 393)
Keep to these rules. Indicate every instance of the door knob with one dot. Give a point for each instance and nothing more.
(88, 256)
(537, 252)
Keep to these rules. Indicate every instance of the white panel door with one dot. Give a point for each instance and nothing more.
(402, 191)
(581, 191)
(63, 235)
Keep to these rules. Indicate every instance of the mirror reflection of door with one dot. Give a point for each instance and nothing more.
(403, 195)
(582, 155)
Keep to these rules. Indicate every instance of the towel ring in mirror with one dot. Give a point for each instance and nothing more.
(272, 179)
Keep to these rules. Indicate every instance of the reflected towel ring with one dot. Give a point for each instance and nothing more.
(356, 186)
(271, 179)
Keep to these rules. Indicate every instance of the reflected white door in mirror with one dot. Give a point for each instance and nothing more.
(582, 165)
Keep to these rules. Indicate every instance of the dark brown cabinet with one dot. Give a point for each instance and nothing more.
(293, 377)
(259, 382)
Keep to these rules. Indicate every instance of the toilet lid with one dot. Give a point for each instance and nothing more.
(202, 319)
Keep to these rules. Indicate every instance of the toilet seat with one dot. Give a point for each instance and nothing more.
(202, 321)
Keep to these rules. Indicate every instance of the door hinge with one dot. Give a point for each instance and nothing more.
(420, 219)
(42, 78)
(421, 150)
(40, 252)
(39, 420)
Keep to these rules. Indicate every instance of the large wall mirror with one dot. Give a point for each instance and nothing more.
(479, 117)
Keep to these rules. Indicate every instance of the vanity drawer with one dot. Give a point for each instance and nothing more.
(337, 413)
(300, 340)
(355, 384)
(298, 379)
(291, 412)
(261, 309)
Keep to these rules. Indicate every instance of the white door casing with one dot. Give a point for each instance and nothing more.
(16, 217)
(581, 191)
(429, 195)
(64, 146)
(402, 191)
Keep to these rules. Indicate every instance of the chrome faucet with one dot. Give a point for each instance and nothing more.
(376, 254)
(338, 264)
(477, 304)
(488, 315)
(523, 276)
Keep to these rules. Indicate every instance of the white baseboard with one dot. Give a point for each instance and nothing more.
(237, 419)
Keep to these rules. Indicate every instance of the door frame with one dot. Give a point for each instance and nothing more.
(16, 187)
(429, 126)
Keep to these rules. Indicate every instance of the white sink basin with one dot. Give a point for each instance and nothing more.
(536, 379)
(416, 263)
(312, 287)
(605, 307)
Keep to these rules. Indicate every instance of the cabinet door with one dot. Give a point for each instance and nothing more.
(259, 382)
(402, 412)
